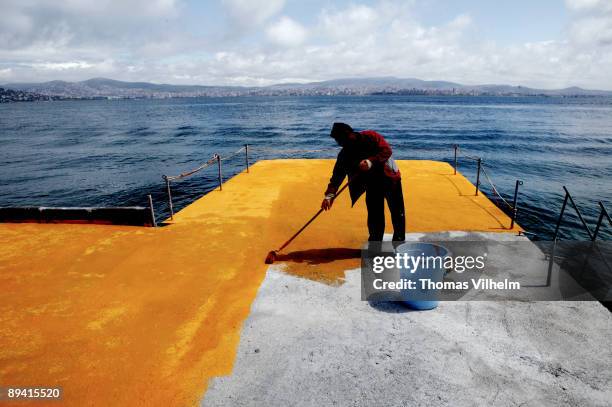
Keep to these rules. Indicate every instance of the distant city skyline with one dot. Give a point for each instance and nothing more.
(546, 44)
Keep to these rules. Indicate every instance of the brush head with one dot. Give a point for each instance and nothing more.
(271, 257)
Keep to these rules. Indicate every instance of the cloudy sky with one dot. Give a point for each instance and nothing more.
(544, 43)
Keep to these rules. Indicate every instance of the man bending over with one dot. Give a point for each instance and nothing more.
(366, 159)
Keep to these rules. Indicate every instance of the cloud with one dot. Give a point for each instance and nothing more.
(262, 42)
(61, 66)
(387, 39)
(24, 22)
(74, 39)
(249, 13)
(6, 73)
(286, 32)
(586, 5)
(57, 31)
(592, 23)
(352, 41)
(594, 30)
(357, 21)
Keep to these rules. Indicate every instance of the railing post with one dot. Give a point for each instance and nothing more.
(220, 177)
(169, 197)
(246, 156)
(478, 176)
(586, 227)
(514, 208)
(561, 215)
(153, 222)
(602, 214)
(456, 146)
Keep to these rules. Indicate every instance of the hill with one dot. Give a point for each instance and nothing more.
(109, 88)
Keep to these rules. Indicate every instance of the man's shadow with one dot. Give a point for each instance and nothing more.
(323, 265)
(320, 256)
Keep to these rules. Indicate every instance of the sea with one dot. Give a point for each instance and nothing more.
(115, 152)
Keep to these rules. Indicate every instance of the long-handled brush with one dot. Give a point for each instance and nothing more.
(271, 257)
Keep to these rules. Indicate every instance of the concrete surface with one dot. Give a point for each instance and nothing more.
(311, 344)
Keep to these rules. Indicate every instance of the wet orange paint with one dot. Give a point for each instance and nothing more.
(141, 316)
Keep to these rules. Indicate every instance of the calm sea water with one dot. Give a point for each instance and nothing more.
(113, 153)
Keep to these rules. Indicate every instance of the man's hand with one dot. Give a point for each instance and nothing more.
(365, 165)
(327, 203)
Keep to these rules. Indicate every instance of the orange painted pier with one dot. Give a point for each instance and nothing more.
(120, 315)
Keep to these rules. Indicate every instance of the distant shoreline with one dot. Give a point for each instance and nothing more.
(103, 88)
(30, 97)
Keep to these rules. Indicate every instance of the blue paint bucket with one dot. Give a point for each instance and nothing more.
(422, 297)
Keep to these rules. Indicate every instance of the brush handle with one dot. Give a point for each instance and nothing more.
(311, 219)
(300, 231)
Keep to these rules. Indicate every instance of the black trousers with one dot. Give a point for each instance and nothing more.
(376, 193)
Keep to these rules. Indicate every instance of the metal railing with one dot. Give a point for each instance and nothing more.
(602, 214)
(216, 158)
(513, 208)
(152, 211)
(481, 169)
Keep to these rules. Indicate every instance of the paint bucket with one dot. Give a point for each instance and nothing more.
(421, 297)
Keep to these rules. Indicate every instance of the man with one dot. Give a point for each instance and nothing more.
(366, 159)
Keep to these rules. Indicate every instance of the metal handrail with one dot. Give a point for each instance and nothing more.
(511, 207)
(219, 168)
(259, 149)
(152, 211)
(471, 157)
(603, 213)
(481, 168)
(514, 202)
(495, 191)
(568, 197)
(478, 176)
(216, 158)
(194, 171)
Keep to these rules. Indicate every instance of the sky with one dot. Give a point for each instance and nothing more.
(542, 44)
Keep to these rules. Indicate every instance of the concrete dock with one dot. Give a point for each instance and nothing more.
(311, 344)
(141, 316)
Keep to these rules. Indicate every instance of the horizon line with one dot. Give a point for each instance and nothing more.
(307, 83)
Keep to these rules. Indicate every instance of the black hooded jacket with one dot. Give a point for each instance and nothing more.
(369, 145)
